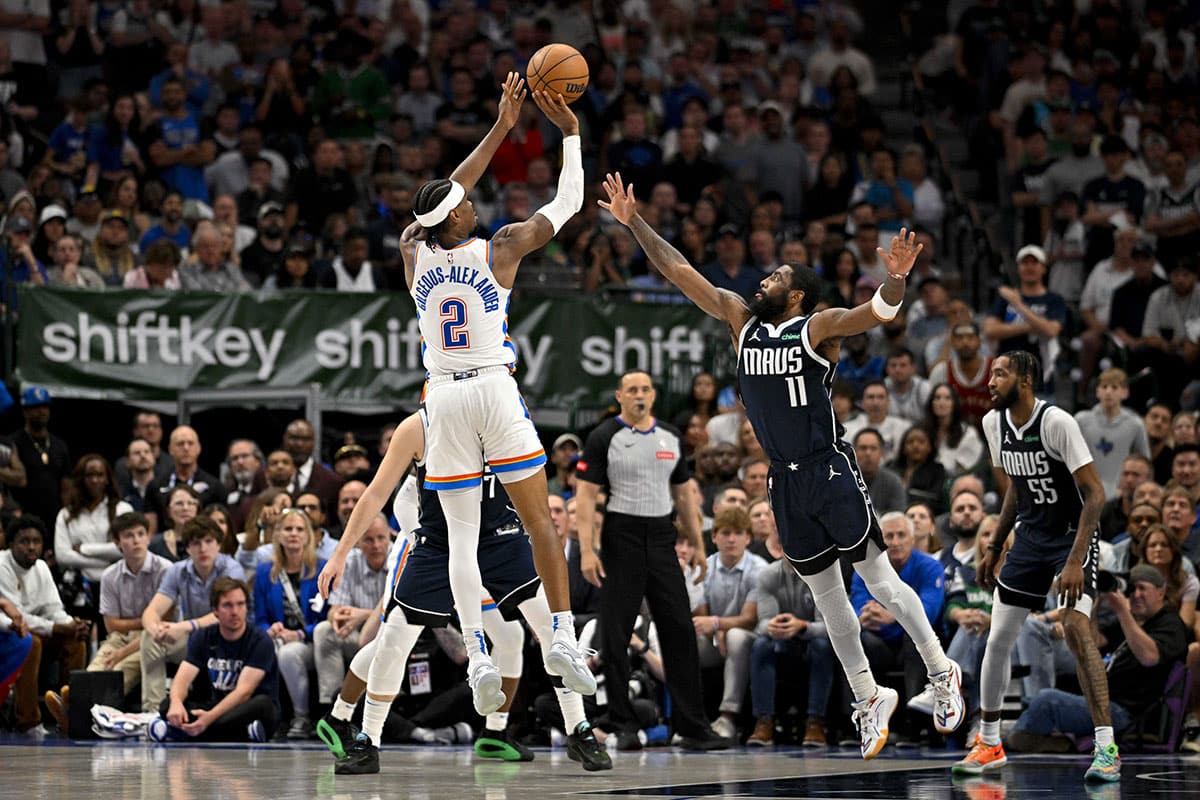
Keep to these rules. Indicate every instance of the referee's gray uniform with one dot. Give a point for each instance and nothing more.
(639, 468)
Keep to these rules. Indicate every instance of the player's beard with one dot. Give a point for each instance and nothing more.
(767, 308)
(1008, 399)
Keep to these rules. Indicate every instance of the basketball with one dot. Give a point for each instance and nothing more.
(558, 68)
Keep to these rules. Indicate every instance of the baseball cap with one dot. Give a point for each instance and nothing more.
(35, 396)
(1031, 250)
(300, 243)
(729, 229)
(347, 450)
(50, 212)
(771, 105)
(111, 214)
(18, 224)
(568, 438)
(1143, 249)
(1147, 574)
(269, 208)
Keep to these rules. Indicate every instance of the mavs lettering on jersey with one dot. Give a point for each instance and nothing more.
(1048, 502)
(785, 387)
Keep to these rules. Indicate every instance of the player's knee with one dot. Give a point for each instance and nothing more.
(835, 607)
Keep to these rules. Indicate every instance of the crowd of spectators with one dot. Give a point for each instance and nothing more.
(226, 146)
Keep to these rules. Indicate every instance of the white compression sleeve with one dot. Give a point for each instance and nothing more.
(569, 198)
(1007, 622)
(461, 508)
(508, 641)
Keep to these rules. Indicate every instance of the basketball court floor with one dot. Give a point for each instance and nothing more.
(60, 770)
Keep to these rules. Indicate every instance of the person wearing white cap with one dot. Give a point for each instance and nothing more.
(1029, 317)
(52, 224)
(566, 447)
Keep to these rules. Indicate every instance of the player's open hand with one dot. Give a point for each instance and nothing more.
(1070, 583)
(903, 253)
(555, 107)
(621, 202)
(592, 569)
(512, 96)
(331, 575)
(985, 571)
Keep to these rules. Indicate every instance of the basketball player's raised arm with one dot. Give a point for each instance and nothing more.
(513, 242)
(719, 303)
(836, 323)
(407, 445)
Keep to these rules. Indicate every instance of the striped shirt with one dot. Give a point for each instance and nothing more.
(638, 467)
(361, 586)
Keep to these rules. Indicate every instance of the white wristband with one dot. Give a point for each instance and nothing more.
(882, 309)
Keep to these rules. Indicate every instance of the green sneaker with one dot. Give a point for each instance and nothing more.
(1106, 765)
(336, 734)
(500, 746)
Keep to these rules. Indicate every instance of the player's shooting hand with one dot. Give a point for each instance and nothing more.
(512, 95)
(903, 253)
(555, 107)
(985, 571)
(590, 566)
(1070, 583)
(621, 203)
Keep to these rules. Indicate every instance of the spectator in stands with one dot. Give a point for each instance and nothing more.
(1183, 428)
(635, 155)
(925, 536)
(908, 392)
(1165, 337)
(1064, 244)
(26, 582)
(177, 147)
(929, 208)
(1029, 317)
(839, 286)
(17, 260)
(1185, 468)
(139, 471)
(260, 190)
(1159, 549)
(147, 425)
(754, 476)
(50, 229)
(230, 173)
(337, 638)
(16, 643)
(957, 443)
(780, 162)
(884, 486)
(1027, 183)
(112, 253)
(1111, 430)
(244, 459)
(298, 270)
(184, 447)
(789, 630)
(730, 270)
(196, 84)
(255, 547)
(841, 53)
(876, 405)
(171, 227)
(1111, 200)
(311, 476)
(1179, 517)
(887, 646)
(116, 147)
(858, 367)
(220, 514)
(350, 461)
(1142, 516)
(67, 270)
(1071, 172)
(181, 504)
(44, 455)
(726, 620)
(1173, 211)
(211, 271)
(185, 588)
(1096, 301)
(351, 271)
(1114, 517)
(690, 170)
(1130, 300)
(226, 686)
(81, 538)
(890, 195)
(1154, 638)
(352, 96)
(916, 463)
(323, 189)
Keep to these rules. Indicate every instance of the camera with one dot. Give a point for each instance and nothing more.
(1111, 582)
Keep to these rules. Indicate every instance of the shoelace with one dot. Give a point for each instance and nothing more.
(942, 684)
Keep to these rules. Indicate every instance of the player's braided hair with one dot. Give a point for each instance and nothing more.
(805, 279)
(1025, 365)
(427, 199)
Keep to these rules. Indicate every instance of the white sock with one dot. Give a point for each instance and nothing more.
(1104, 736)
(476, 644)
(497, 721)
(990, 732)
(863, 685)
(342, 710)
(571, 704)
(563, 624)
(934, 656)
(374, 715)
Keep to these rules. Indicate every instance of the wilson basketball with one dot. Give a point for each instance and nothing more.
(558, 68)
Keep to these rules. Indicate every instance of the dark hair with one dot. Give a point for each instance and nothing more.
(353, 234)
(113, 135)
(1185, 448)
(872, 431)
(427, 199)
(78, 495)
(874, 382)
(805, 279)
(222, 587)
(125, 522)
(900, 461)
(930, 423)
(25, 522)
(706, 408)
(1025, 365)
(635, 371)
(229, 544)
(164, 251)
(200, 527)
(901, 352)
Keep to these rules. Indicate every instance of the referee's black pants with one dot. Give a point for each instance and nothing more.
(639, 560)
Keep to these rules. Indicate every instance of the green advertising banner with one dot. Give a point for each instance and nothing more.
(363, 349)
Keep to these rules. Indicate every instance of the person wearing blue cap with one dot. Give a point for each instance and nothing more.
(45, 456)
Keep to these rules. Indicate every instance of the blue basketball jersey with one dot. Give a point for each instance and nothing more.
(785, 387)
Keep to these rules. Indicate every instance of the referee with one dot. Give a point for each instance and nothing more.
(641, 462)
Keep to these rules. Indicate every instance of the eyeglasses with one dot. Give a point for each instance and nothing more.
(184, 504)
(310, 507)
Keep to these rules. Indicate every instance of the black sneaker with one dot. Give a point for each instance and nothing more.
(583, 747)
(500, 746)
(336, 734)
(705, 740)
(628, 741)
(361, 759)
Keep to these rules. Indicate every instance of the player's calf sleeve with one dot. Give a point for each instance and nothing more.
(899, 598)
(1007, 621)
(462, 522)
(508, 643)
(537, 613)
(841, 623)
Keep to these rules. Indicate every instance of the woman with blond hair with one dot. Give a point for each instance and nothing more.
(284, 590)
(254, 543)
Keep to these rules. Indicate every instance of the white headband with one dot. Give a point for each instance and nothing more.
(450, 202)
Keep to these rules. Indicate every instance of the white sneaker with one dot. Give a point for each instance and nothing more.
(487, 686)
(36, 733)
(949, 709)
(923, 703)
(724, 727)
(565, 661)
(871, 718)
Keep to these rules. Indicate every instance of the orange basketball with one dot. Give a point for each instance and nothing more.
(558, 68)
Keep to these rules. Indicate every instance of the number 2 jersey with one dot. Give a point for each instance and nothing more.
(785, 386)
(461, 309)
(1040, 458)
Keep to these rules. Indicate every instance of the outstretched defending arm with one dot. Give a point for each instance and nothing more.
(513, 242)
(835, 323)
(719, 303)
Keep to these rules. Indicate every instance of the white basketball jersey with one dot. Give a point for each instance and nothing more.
(462, 310)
